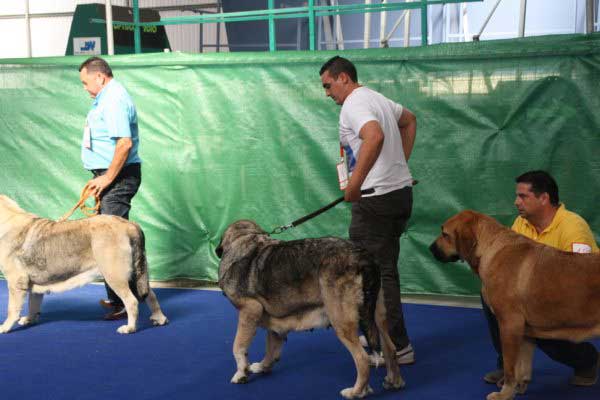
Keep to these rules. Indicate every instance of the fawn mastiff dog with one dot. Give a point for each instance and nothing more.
(300, 285)
(535, 291)
(39, 256)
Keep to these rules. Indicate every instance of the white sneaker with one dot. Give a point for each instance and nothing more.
(363, 341)
(376, 359)
(406, 355)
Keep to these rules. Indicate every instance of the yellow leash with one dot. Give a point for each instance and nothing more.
(88, 211)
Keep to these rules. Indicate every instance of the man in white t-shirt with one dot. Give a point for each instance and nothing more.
(377, 135)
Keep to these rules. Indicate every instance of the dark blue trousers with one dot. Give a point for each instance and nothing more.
(116, 200)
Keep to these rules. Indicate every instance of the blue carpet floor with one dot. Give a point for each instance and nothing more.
(73, 354)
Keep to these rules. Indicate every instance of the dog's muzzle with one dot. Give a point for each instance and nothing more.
(439, 254)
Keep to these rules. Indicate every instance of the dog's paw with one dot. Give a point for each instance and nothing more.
(256, 368)
(349, 393)
(126, 329)
(24, 321)
(259, 368)
(239, 377)
(4, 330)
(498, 396)
(159, 320)
(390, 383)
(522, 387)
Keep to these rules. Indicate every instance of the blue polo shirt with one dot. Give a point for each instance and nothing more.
(111, 117)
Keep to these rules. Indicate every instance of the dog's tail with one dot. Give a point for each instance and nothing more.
(140, 264)
(371, 285)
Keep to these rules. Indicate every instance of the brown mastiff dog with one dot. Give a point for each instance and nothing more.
(535, 291)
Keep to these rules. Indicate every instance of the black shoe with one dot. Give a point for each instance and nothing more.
(586, 377)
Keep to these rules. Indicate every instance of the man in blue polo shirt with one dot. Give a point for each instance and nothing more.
(109, 150)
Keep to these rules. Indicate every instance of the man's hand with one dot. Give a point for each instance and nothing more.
(352, 192)
(98, 184)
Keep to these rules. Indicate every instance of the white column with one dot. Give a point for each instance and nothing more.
(27, 29)
(382, 26)
(522, 15)
(367, 33)
(110, 41)
(465, 23)
(407, 26)
(338, 28)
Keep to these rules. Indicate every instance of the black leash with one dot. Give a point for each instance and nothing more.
(313, 214)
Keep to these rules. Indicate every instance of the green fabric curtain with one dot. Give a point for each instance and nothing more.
(252, 135)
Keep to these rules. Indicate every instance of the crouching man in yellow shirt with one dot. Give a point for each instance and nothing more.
(544, 219)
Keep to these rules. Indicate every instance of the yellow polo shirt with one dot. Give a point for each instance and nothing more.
(568, 232)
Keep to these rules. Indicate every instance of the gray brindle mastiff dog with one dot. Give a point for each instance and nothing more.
(39, 256)
(300, 285)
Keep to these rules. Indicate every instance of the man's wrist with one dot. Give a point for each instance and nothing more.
(110, 176)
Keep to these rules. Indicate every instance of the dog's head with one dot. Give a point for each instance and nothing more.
(235, 231)
(458, 238)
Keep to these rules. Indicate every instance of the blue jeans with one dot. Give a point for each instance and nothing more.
(116, 200)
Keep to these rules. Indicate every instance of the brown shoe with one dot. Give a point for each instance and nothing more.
(118, 312)
(105, 303)
(494, 376)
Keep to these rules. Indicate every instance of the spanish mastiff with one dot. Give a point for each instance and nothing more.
(300, 285)
(535, 291)
(39, 256)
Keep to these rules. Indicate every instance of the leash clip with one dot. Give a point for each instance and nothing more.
(281, 229)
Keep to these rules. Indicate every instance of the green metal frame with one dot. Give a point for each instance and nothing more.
(271, 14)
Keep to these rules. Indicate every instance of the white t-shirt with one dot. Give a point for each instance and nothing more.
(390, 171)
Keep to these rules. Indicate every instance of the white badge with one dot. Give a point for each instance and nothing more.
(581, 248)
(87, 137)
(342, 170)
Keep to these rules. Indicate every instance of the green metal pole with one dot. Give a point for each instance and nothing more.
(137, 37)
(272, 46)
(311, 24)
(424, 27)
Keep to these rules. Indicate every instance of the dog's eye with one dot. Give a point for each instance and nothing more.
(445, 235)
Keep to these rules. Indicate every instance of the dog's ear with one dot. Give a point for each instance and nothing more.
(465, 236)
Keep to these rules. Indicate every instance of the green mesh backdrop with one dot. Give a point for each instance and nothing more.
(252, 135)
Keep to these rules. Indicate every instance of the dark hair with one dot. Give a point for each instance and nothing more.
(96, 64)
(541, 182)
(337, 65)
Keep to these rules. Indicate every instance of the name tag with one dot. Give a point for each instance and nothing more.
(87, 137)
(581, 248)
(342, 170)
